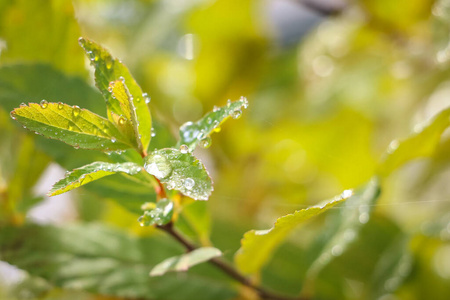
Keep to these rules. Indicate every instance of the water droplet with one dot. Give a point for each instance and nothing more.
(12, 114)
(110, 88)
(43, 104)
(147, 98)
(349, 235)
(228, 103)
(76, 146)
(76, 111)
(206, 142)
(153, 134)
(60, 105)
(215, 108)
(141, 221)
(184, 149)
(209, 120)
(121, 78)
(189, 183)
(201, 135)
(158, 166)
(96, 57)
(244, 102)
(393, 146)
(236, 114)
(22, 104)
(121, 121)
(71, 128)
(346, 194)
(113, 139)
(336, 250)
(364, 218)
(108, 62)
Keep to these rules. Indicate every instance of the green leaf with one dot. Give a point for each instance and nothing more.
(422, 143)
(180, 171)
(193, 134)
(91, 172)
(345, 227)
(160, 215)
(77, 127)
(257, 246)
(106, 261)
(184, 262)
(109, 71)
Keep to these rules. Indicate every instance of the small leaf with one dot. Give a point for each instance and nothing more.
(422, 143)
(109, 70)
(257, 246)
(91, 172)
(345, 228)
(184, 262)
(193, 134)
(77, 127)
(160, 215)
(180, 171)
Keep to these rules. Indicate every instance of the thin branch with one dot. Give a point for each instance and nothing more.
(225, 267)
(325, 8)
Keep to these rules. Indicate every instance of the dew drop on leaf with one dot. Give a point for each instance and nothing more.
(121, 121)
(121, 78)
(113, 140)
(158, 166)
(206, 142)
(236, 114)
(76, 111)
(184, 149)
(60, 105)
(43, 104)
(108, 62)
(189, 183)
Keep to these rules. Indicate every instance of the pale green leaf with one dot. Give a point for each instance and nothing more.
(257, 246)
(91, 172)
(110, 70)
(180, 171)
(422, 143)
(193, 134)
(344, 229)
(184, 262)
(77, 127)
(106, 261)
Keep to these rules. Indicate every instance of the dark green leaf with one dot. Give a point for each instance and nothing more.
(109, 70)
(257, 246)
(180, 171)
(105, 261)
(184, 262)
(77, 127)
(91, 172)
(193, 134)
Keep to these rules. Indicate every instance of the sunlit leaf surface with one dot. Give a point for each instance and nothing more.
(185, 261)
(77, 127)
(180, 171)
(421, 143)
(198, 133)
(110, 70)
(257, 246)
(91, 172)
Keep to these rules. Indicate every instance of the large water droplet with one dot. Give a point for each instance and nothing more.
(184, 149)
(158, 166)
(206, 142)
(60, 105)
(189, 183)
(43, 104)
(76, 111)
(113, 139)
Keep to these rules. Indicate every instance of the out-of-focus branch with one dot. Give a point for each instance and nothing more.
(325, 7)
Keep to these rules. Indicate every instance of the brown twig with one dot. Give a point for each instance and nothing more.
(226, 268)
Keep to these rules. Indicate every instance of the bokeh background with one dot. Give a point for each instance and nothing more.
(330, 85)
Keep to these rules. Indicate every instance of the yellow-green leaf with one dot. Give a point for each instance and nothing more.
(91, 172)
(257, 246)
(421, 143)
(77, 127)
(185, 261)
(110, 70)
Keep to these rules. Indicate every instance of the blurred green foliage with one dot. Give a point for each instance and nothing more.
(324, 108)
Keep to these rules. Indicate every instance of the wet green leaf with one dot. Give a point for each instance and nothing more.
(106, 261)
(111, 76)
(184, 262)
(91, 172)
(198, 133)
(353, 214)
(257, 246)
(421, 143)
(77, 127)
(160, 215)
(180, 171)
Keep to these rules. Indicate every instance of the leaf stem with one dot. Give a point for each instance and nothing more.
(226, 267)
